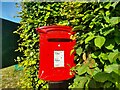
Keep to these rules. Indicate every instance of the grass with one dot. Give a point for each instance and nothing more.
(9, 77)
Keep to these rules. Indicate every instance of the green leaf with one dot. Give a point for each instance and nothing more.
(103, 56)
(90, 71)
(79, 51)
(40, 81)
(76, 28)
(112, 68)
(86, 16)
(91, 24)
(95, 54)
(79, 15)
(107, 13)
(97, 9)
(117, 33)
(107, 84)
(96, 70)
(119, 56)
(77, 78)
(88, 11)
(82, 69)
(101, 77)
(80, 81)
(113, 56)
(90, 37)
(115, 78)
(108, 31)
(117, 40)
(109, 44)
(99, 41)
(92, 84)
(107, 19)
(108, 5)
(101, 60)
(76, 58)
(114, 20)
(33, 62)
(114, 4)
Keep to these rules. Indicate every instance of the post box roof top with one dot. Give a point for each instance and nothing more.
(45, 29)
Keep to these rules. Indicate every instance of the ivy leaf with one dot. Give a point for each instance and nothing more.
(113, 56)
(82, 82)
(77, 78)
(90, 71)
(96, 70)
(115, 79)
(99, 41)
(95, 54)
(110, 44)
(113, 67)
(90, 37)
(82, 69)
(79, 51)
(92, 83)
(101, 77)
(103, 56)
(114, 20)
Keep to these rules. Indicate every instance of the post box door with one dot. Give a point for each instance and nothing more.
(55, 58)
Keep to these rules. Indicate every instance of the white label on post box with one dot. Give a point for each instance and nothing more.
(58, 58)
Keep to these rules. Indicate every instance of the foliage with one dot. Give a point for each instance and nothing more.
(98, 47)
(97, 41)
(33, 15)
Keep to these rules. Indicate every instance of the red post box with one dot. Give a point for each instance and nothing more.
(55, 59)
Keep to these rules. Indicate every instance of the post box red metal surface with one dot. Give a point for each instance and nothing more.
(55, 59)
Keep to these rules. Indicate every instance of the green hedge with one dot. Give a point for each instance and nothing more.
(97, 35)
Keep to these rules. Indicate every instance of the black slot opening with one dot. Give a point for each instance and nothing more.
(59, 40)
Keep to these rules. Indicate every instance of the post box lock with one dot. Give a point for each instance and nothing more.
(55, 47)
(58, 45)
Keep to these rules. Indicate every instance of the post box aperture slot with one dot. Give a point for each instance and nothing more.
(59, 40)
